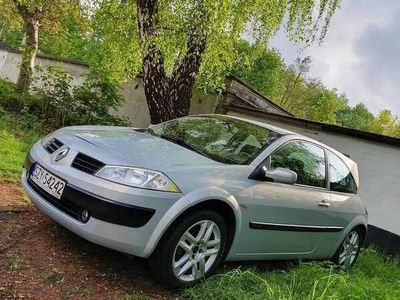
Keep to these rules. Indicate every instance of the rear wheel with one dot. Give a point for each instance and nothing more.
(191, 250)
(346, 256)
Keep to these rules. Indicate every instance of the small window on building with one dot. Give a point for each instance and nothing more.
(306, 159)
(340, 176)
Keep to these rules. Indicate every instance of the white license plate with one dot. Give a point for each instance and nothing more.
(47, 181)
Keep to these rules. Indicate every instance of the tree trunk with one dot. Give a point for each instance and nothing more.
(167, 98)
(29, 53)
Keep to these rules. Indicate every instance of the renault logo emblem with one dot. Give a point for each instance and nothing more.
(63, 153)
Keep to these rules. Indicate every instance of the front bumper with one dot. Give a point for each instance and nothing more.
(122, 218)
(114, 236)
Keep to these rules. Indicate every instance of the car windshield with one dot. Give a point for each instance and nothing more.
(220, 138)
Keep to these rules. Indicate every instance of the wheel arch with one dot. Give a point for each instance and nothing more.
(222, 208)
(364, 229)
(226, 206)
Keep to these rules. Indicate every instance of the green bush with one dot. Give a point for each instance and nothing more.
(93, 101)
(88, 103)
(54, 89)
(56, 101)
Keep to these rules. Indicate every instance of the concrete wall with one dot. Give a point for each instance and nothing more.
(10, 61)
(379, 169)
(134, 107)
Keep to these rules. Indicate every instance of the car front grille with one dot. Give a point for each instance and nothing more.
(53, 145)
(86, 163)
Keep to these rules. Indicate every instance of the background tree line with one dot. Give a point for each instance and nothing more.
(116, 39)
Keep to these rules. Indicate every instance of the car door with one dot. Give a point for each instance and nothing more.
(284, 219)
(345, 204)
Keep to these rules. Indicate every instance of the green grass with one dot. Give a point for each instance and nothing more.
(373, 277)
(17, 134)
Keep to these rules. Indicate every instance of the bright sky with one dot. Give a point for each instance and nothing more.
(360, 55)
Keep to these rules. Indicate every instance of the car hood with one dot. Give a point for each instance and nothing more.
(137, 148)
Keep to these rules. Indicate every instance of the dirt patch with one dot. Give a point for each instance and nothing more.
(11, 195)
(41, 260)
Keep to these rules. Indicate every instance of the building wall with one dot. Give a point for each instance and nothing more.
(379, 169)
(134, 107)
(10, 61)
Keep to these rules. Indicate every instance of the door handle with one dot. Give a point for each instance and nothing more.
(324, 203)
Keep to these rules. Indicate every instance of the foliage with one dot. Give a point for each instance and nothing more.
(57, 101)
(54, 87)
(373, 277)
(387, 124)
(65, 104)
(13, 37)
(357, 117)
(114, 43)
(12, 100)
(222, 22)
(263, 69)
(32, 15)
(94, 100)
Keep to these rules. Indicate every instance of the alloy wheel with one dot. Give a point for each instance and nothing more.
(349, 250)
(196, 251)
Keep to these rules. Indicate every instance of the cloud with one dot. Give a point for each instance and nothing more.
(379, 53)
(360, 55)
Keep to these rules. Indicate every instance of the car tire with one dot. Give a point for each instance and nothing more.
(190, 250)
(348, 251)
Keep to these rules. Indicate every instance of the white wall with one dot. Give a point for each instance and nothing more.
(379, 169)
(10, 61)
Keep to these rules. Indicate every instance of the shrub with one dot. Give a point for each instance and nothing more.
(93, 101)
(53, 87)
(58, 102)
(11, 99)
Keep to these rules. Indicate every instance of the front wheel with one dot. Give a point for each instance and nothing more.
(346, 256)
(191, 250)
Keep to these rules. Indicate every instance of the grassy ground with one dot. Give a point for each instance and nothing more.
(374, 276)
(17, 134)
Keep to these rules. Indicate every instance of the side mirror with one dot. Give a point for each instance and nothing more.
(281, 175)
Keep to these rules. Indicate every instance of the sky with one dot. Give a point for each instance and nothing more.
(360, 55)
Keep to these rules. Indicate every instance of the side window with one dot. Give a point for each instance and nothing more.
(340, 176)
(306, 159)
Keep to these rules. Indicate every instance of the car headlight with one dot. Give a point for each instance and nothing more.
(138, 177)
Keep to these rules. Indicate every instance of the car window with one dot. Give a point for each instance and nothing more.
(220, 138)
(340, 176)
(306, 159)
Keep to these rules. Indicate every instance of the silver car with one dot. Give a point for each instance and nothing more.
(192, 192)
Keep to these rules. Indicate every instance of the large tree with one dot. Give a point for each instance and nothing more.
(180, 40)
(31, 15)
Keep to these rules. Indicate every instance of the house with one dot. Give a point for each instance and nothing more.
(377, 156)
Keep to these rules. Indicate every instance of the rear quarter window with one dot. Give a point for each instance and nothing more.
(340, 177)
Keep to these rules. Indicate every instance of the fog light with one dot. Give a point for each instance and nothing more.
(85, 215)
